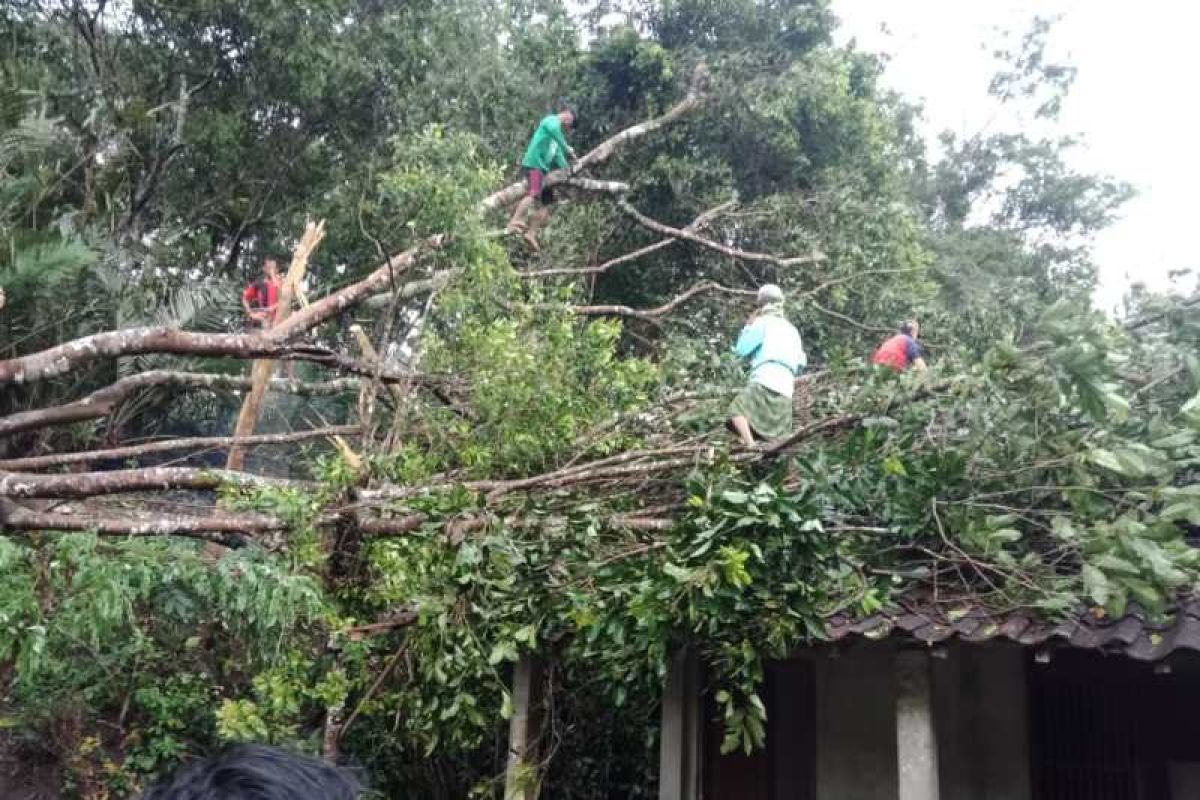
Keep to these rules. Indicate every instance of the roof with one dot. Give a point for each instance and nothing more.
(1135, 635)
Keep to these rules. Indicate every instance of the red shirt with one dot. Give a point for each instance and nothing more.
(897, 352)
(254, 294)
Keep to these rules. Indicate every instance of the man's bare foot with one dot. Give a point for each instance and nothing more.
(533, 242)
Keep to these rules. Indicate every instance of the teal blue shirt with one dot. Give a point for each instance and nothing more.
(775, 351)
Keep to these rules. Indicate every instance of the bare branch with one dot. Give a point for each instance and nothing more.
(856, 276)
(225, 529)
(848, 320)
(732, 252)
(147, 479)
(694, 99)
(102, 402)
(655, 314)
(434, 283)
(697, 224)
(171, 445)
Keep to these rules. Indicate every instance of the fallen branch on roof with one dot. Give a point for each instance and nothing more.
(64, 358)
(197, 443)
(724, 249)
(696, 95)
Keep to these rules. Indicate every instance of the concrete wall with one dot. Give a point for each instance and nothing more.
(980, 709)
(856, 725)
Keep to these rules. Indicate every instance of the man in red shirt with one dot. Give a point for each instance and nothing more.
(902, 350)
(261, 298)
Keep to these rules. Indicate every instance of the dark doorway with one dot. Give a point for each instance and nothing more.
(786, 769)
(1109, 728)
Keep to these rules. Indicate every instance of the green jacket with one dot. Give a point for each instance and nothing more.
(548, 148)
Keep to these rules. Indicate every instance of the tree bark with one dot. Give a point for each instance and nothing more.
(224, 529)
(147, 479)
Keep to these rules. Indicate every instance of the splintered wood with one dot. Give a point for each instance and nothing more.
(260, 374)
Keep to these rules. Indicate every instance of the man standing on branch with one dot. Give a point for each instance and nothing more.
(547, 150)
(902, 350)
(261, 298)
(763, 410)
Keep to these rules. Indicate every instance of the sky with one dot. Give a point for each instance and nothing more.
(1134, 102)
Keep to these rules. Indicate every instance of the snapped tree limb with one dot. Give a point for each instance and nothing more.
(146, 479)
(64, 358)
(724, 249)
(195, 443)
(223, 529)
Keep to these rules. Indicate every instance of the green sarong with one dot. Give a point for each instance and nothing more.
(769, 413)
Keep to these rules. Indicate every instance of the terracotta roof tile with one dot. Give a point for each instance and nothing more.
(1131, 635)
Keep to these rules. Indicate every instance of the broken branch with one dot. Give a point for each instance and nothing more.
(694, 238)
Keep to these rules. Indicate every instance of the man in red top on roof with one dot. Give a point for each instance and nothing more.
(902, 350)
(261, 298)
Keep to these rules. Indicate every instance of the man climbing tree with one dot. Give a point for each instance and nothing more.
(902, 350)
(261, 298)
(547, 150)
(763, 409)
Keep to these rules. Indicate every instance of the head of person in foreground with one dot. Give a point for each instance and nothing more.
(258, 772)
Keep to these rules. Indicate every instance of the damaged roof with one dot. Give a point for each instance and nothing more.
(1134, 634)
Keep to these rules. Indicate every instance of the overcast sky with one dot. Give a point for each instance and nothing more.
(1134, 101)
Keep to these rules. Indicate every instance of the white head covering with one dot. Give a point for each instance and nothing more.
(769, 293)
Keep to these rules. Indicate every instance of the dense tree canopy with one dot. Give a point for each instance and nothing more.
(530, 455)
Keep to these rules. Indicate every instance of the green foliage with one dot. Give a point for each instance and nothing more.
(539, 383)
(147, 632)
(1049, 461)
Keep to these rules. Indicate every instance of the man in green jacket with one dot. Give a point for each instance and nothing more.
(547, 150)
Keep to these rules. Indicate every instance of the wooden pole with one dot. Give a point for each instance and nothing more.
(521, 778)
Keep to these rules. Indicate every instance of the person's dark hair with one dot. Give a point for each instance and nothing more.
(907, 326)
(564, 108)
(258, 772)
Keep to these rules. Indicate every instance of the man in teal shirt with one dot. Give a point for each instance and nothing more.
(763, 410)
(547, 150)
